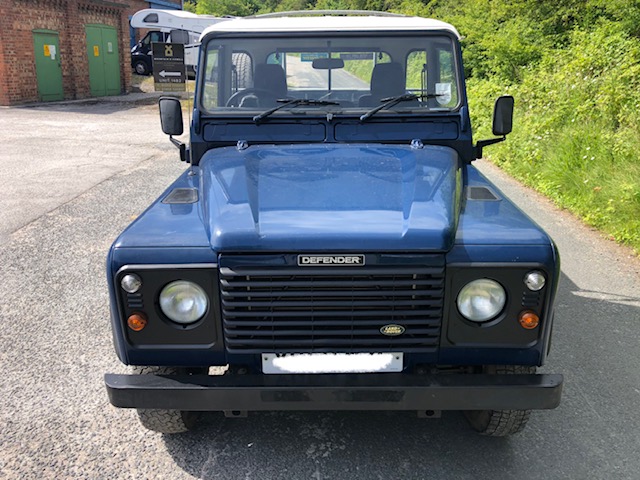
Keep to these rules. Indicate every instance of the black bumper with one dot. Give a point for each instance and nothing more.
(335, 392)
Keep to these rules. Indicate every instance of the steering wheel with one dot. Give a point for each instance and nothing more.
(265, 97)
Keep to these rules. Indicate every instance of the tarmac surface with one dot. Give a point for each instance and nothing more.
(74, 175)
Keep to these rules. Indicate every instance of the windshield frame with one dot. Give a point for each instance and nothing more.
(350, 111)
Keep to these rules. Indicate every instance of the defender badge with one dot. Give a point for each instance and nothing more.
(322, 260)
(392, 330)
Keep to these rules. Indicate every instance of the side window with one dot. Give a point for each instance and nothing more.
(433, 75)
(446, 86)
(417, 71)
(156, 37)
(211, 79)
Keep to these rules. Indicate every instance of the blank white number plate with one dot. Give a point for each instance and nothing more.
(331, 363)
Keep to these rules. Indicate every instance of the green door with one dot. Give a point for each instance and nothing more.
(48, 65)
(104, 60)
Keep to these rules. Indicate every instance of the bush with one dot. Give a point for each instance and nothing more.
(576, 136)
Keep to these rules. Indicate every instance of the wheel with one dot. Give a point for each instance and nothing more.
(500, 423)
(244, 74)
(165, 421)
(264, 97)
(141, 67)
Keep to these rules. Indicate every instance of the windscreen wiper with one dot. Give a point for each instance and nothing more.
(295, 101)
(391, 101)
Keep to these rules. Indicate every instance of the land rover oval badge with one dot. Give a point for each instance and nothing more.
(392, 330)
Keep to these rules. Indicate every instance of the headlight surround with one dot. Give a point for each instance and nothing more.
(481, 300)
(183, 302)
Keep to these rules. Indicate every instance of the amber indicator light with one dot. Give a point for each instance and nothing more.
(137, 322)
(529, 320)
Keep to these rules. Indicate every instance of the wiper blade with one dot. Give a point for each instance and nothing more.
(295, 101)
(391, 101)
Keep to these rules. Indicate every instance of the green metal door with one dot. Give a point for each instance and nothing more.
(111, 60)
(104, 60)
(48, 65)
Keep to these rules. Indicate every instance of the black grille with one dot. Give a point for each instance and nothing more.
(287, 309)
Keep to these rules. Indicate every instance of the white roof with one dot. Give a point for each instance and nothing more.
(329, 23)
(172, 19)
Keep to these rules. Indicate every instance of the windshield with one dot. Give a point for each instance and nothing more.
(350, 73)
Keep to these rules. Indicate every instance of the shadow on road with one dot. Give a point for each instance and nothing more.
(96, 107)
(333, 445)
(575, 439)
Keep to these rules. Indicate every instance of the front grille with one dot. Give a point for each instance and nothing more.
(291, 309)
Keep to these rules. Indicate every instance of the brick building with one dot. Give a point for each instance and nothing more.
(66, 49)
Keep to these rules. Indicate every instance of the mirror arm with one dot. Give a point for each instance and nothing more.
(485, 143)
(181, 146)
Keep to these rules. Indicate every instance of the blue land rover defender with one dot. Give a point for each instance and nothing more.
(331, 246)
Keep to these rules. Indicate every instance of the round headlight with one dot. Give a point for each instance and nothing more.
(183, 302)
(131, 283)
(534, 281)
(481, 300)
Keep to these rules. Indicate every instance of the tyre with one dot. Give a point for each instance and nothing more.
(141, 67)
(164, 421)
(244, 72)
(500, 423)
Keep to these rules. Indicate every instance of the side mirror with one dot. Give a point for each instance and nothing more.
(171, 116)
(502, 123)
(503, 115)
(171, 121)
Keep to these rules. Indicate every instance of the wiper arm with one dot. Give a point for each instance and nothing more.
(391, 101)
(287, 103)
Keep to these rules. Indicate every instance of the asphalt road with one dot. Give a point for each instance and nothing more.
(70, 186)
(301, 75)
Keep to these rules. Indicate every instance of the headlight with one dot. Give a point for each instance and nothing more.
(183, 302)
(481, 300)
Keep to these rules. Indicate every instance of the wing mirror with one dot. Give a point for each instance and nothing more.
(503, 115)
(171, 116)
(502, 123)
(171, 121)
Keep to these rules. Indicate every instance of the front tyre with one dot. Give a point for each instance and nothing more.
(164, 421)
(500, 423)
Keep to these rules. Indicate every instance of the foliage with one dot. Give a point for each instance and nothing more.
(573, 67)
(577, 138)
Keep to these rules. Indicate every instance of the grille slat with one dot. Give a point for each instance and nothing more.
(289, 292)
(324, 313)
(321, 271)
(256, 305)
(319, 323)
(325, 333)
(285, 309)
(278, 282)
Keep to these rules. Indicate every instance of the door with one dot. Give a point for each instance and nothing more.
(104, 60)
(48, 65)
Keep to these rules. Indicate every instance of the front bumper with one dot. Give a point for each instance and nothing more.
(385, 391)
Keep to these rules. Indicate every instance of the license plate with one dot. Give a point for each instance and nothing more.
(331, 363)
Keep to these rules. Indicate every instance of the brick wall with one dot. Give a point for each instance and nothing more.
(16, 25)
(18, 19)
(4, 79)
